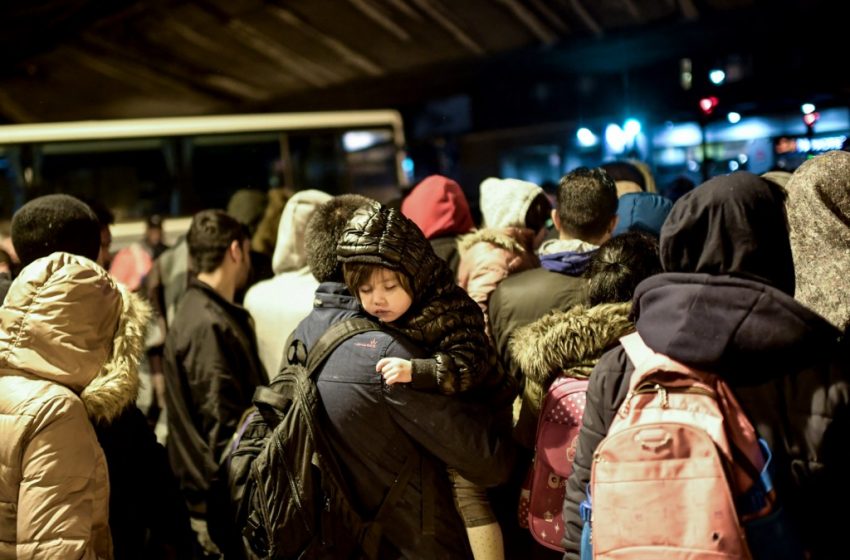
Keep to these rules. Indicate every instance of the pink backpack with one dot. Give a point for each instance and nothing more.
(679, 453)
(557, 434)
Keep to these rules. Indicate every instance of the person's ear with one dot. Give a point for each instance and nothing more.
(613, 225)
(556, 220)
(235, 251)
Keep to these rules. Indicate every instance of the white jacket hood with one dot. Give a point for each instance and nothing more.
(290, 254)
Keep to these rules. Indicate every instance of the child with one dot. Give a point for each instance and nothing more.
(390, 267)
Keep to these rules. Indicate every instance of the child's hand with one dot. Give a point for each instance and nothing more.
(395, 370)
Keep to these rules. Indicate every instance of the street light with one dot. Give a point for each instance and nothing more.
(717, 76)
(586, 138)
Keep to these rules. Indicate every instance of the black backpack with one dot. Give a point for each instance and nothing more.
(291, 497)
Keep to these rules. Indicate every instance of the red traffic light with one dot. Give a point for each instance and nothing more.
(707, 104)
(811, 118)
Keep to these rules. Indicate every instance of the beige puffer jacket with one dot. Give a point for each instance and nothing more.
(70, 339)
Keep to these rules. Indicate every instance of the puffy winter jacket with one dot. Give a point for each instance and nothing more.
(70, 340)
(488, 256)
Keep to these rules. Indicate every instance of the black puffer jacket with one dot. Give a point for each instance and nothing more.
(725, 306)
(442, 317)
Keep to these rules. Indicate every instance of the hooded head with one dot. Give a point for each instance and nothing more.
(733, 225)
(382, 236)
(67, 321)
(819, 218)
(290, 251)
(646, 172)
(248, 206)
(438, 207)
(642, 211)
(511, 202)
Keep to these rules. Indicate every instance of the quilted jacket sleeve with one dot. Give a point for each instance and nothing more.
(451, 326)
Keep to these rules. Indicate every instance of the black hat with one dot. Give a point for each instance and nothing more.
(55, 222)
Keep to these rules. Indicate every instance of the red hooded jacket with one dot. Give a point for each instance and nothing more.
(438, 206)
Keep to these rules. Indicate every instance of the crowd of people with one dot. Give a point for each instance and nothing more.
(740, 277)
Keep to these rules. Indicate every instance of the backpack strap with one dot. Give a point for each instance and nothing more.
(268, 400)
(294, 352)
(370, 541)
(646, 360)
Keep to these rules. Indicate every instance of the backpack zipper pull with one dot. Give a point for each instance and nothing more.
(624, 410)
(663, 392)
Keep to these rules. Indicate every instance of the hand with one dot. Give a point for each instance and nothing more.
(395, 370)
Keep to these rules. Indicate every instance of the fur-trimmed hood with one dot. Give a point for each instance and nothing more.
(516, 240)
(569, 341)
(488, 256)
(67, 321)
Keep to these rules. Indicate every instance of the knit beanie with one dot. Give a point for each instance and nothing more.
(55, 222)
(505, 202)
(818, 209)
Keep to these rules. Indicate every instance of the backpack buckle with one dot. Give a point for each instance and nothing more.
(296, 353)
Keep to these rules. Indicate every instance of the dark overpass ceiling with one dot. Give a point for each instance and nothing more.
(84, 59)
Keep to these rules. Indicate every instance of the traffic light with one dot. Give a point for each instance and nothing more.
(708, 104)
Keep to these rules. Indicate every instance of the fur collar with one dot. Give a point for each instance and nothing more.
(569, 341)
(509, 239)
(117, 384)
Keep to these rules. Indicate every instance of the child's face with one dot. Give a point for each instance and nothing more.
(383, 297)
